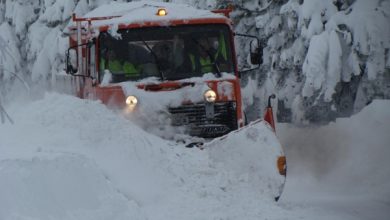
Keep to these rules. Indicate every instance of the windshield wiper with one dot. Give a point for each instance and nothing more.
(155, 58)
(212, 59)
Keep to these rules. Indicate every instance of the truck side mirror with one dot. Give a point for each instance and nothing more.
(71, 61)
(256, 52)
(71, 56)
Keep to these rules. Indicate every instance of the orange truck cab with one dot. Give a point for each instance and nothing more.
(170, 59)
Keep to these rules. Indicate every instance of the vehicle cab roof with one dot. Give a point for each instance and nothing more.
(144, 13)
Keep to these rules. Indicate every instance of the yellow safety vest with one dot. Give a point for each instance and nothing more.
(115, 66)
(205, 63)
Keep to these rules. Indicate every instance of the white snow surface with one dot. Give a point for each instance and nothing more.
(340, 171)
(66, 158)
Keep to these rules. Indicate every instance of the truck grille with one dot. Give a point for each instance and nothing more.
(204, 119)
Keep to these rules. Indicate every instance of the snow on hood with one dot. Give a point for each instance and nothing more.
(193, 93)
(152, 108)
(145, 11)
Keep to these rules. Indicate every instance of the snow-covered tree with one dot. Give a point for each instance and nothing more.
(323, 58)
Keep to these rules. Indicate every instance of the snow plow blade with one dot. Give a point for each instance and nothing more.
(253, 154)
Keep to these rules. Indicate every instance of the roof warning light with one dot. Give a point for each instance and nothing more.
(161, 12)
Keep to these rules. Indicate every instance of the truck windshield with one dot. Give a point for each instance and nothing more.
(169, 53)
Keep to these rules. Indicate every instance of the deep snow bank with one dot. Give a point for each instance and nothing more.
(65, 187)
(66, 158)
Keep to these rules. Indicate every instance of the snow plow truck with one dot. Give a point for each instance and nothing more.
(165, 63)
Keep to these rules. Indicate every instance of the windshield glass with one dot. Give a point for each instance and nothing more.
(169, 53)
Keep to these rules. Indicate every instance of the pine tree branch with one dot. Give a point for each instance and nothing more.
(4, 114)
(260, 10)
(25, 84)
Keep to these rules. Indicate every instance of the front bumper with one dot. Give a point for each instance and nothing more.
(207, 120)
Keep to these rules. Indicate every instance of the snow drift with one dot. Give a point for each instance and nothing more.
(66, 158)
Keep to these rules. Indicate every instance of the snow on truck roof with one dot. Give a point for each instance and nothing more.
(146, 11)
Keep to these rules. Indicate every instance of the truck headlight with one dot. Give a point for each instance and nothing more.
(131, 101)
(210, 96)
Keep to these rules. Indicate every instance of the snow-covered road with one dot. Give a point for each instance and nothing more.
(341, 170)
(66, 158)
